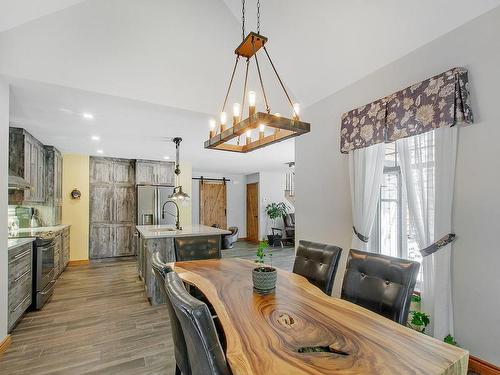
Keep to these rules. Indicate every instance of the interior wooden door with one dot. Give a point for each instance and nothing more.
(253, 212)
(213, 204)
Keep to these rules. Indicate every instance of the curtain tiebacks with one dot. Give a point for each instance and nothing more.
(360, 236)
(438, 244)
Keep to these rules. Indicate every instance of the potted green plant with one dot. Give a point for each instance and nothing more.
(264, 277)
(274, 211)
(418, 319)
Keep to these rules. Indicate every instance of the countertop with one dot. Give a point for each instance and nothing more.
(15, 242)
(169, 231)
(33, 232)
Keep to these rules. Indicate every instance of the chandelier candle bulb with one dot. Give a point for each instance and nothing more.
(223, 121)
(251, 103)
(296, 111)
(262, 128)
(249, 137)
(236, 113)
(212, 128)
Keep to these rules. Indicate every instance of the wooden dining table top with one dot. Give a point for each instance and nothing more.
(265, 333)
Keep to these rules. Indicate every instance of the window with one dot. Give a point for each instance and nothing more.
(393, 233)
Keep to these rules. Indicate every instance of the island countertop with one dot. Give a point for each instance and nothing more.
(169, 231)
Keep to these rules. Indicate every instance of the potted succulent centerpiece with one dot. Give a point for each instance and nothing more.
(264, 277)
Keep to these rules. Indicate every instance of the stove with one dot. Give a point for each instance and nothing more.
(43, 264)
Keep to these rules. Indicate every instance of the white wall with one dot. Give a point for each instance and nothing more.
(271, 189)
(236, 199)
(322, 187)
(4, 152)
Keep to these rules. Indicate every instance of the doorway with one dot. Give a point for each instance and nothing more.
(213, 204)
(253, 212)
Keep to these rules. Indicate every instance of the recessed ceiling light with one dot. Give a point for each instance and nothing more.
(88, 116)
(166, 157)
(95, 138)
(100, 151)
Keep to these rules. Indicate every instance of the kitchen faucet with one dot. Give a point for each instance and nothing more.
(177, 224)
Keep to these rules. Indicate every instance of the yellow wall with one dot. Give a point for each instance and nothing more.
(76, 211)
(184, 179)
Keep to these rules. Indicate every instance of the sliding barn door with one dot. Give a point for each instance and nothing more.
(112, 208)
(213, 204)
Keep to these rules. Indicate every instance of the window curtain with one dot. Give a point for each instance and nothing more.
(366, 172)
(428, 171)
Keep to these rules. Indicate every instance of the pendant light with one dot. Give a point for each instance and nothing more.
(272, 128)
(178, 194)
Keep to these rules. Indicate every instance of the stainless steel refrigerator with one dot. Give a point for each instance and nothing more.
(150, 201)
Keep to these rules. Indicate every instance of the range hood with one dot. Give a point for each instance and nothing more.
(17, 183)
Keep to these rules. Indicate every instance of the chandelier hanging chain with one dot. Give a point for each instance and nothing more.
(243, 19)
(258, 16)
(245, 85)
(279, 78)
(268, 109)
(230, 82)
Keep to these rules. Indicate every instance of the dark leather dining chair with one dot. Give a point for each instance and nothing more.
(380, 283)
(160, 270)
(194, 248)
(318, 263)
(228, 240)
(205, 353)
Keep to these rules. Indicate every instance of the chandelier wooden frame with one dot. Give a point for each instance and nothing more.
(284, 128)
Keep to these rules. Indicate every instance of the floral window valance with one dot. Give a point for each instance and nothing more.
(440, 101)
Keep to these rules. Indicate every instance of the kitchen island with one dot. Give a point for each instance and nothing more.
(189, 243)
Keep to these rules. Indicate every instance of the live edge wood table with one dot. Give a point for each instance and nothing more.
(266, 334)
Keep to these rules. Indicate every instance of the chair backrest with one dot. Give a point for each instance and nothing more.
(318, 263)
(380, 283)
(289, 219)
(160, 270)
(193, 248)
(206, 356)
(233, 230)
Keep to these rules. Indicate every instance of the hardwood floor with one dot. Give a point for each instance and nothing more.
(100, 322)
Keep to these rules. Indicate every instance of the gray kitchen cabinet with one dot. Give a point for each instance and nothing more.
(20, 282)
(58, 255)
(53, 165)
(65, 247)
(125, 244)
(166, 175)
(112, 207)
(27, 159)
(101, 241)
(150, 172)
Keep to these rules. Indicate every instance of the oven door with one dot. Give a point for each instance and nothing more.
(45, 265)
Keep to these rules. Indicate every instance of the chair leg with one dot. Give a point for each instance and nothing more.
(177, 370)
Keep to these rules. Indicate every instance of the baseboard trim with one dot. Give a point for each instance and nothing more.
(4, 345)
(482, 367)
(78, 262)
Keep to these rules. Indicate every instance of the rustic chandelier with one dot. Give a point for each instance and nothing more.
(272, 128)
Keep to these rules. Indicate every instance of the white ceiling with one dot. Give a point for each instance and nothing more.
(153, 68)
(16, 12)
(128, 128)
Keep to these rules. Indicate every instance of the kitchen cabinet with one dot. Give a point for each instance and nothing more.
(61, 251)
(112, 207)
(27, 159)
(20, 282)
(53, 162)
(65, 247)
(58, 256)
(150, 172)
